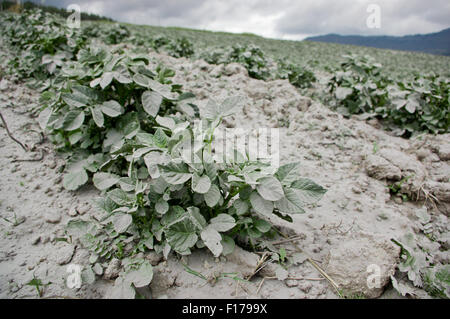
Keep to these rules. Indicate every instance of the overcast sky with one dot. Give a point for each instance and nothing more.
(285, 19)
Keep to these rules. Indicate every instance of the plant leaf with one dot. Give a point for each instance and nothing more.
(201, 184)
(151, 102)
(121, 222)
(291, 203)
(212, 197)
(260, 205)
(74, 179)
(97, 115)
(212, 240)
(240, 206)
(104, 180)
(262, 225)
(270, 188)
(288, 173)
(222, 222)
(308, 191)
(175, 173)
(106, 79)
(120, 197)
(182, 236)
(73, 120)
(111, 108)
(227, 244)
(161, 206)
(140, 277)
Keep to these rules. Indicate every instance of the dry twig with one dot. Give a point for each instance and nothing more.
(10, 135)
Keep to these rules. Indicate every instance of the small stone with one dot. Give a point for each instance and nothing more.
(52, 217)
(305, 286)
(98, 269)
(422, 153)
(35, 240)
(153, 258)
(83, 208)
(64, 253)
(444, 152)
(113, 269)
(44, 239)
(3, 84)
(73, 211)
(291, 283)
(316, 250)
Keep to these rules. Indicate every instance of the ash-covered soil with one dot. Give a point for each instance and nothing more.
(350, 229)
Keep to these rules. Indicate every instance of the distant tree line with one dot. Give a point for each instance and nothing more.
(14, 6)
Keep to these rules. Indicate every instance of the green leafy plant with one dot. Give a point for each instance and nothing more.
(422, 104)
(40, 42)
(214, 56)
(203, 202)
(176, 195)
(406, 108)
(102, 98)
(180, 47)
(421, 270)
(298, 76)
(115, 34)
(359, 87)
(38, 284)
(252, 58)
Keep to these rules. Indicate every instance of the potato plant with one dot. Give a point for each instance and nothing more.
(102, 98)
(298, 76)
(180, 47)
(421, 269)
(40, 42)
(252, 58)
(406, 108)
(187, 197)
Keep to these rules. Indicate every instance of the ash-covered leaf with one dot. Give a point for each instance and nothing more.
(260, 205)
(270, 188)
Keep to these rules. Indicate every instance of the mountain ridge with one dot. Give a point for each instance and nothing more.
(435, 43)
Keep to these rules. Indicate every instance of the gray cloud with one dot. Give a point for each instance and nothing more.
(291, 19)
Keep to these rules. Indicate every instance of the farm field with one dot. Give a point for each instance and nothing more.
(112, 189)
